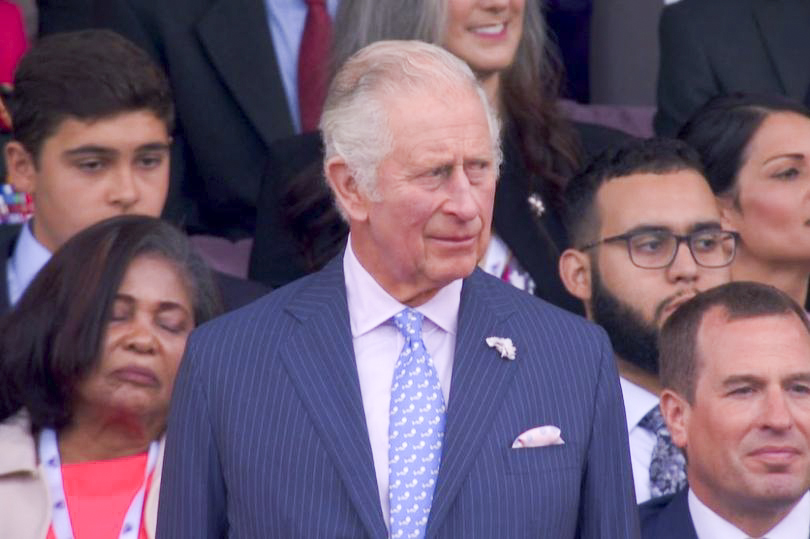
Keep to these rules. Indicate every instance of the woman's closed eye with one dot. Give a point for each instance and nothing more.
(786, 174)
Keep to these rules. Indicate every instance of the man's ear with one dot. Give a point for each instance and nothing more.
(347, 191)
(575, 272)
(676, 411)
(21, 168)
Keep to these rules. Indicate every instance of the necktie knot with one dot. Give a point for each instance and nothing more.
(409, 323)
(315, 3)
(653, 421)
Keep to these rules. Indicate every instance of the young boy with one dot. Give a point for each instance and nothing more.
(91, 122)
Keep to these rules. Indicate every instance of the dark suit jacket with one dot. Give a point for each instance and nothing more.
(267, 435)
(64, 16)
(667, 517)
(276, 258)
(230, 102)
(8, 238)
(713, 47)
(236, 292)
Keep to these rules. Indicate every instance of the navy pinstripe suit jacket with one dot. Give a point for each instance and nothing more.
(267, 435)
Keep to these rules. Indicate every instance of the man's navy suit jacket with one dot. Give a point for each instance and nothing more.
(267, 435)
(667, 517)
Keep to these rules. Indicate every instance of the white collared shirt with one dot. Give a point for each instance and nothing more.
(25, 262)
(377, 344)
(637, 402)
(710, 525)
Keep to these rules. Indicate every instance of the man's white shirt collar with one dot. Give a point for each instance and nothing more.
(28, 258)
(370, 305)
(637, 402)
(709, 525)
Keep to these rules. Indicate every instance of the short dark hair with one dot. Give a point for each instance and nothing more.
(53, 337)
(722, 129)
(87, 75)
(678, 359)
(649, 156)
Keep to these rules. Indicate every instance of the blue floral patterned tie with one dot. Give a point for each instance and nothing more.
(415, 432)
(668, 466)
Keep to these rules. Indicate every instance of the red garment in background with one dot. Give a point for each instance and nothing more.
(13, 42)
(313, 57)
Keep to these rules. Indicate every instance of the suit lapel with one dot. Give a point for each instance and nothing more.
(676, 521)
(236, 36)
(480, 378)
(8, 239)
(321, 363)
(784, 25)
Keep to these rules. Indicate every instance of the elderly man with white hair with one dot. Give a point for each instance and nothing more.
(401, 392)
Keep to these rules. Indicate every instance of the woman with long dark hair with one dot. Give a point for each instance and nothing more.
(88, 359)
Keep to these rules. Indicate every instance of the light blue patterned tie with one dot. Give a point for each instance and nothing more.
(415, 432)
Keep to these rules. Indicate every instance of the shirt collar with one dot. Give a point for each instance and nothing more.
(28, 258)
(710, 524)
(637, 402)
(370, 305)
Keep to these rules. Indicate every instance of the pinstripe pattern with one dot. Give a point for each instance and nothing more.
(267, 436)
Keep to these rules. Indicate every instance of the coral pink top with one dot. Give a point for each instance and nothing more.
(99, 493)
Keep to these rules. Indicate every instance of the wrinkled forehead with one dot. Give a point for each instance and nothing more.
(680, 201)
(451, 111)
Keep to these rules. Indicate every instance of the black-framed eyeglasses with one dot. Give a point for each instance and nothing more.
(655, 249)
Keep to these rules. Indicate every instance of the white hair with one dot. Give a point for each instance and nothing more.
(354, 122)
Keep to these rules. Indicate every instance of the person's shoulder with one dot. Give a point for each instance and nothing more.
(238, 292)
(666, 517)
(263, 318)
(535, 311)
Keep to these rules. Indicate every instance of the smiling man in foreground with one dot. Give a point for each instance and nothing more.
(365, 400)
(735, 365)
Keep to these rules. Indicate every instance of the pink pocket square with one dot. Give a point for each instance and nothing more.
(538, 437)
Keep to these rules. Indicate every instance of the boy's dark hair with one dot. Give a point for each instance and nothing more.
(87, 75)
(650, 156)
(722, 129)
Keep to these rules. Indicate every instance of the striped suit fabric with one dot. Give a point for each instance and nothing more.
(267, 435)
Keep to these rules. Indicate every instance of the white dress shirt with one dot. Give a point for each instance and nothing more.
(709, 525)
(287, 19)
(637, 402)
(25, 262)
(377, 344)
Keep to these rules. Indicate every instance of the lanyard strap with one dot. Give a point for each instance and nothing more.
(62, 528)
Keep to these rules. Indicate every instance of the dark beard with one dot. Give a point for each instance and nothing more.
(633, 339)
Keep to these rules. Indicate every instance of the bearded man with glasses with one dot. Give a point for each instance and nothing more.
(645, 237)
